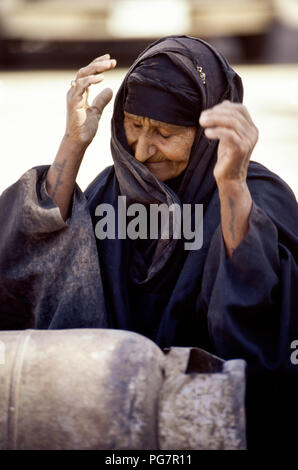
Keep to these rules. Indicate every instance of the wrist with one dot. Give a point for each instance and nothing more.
(237, 191)
(232, 186)
(72, 146)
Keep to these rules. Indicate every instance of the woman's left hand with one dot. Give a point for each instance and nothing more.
(232, 125)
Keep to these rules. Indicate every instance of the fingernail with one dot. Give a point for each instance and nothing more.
(107, 63)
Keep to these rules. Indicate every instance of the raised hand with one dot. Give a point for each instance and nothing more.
(81, 126)
(82, 118)
(232, 125)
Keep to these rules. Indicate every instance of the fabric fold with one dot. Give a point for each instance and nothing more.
(250, 321)
(36, 247)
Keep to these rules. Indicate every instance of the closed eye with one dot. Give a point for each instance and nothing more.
(137, 125)
(163, 136)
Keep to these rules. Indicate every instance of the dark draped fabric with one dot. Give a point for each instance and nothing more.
(243, 307)
(57, 274)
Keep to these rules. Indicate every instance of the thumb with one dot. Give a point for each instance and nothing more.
(102, 99)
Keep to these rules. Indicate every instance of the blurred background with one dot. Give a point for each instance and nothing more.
(44, 42)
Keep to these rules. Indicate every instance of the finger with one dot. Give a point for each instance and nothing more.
(102, 57)
(231, 107)
(231, 110)
(111, 63)
(96, 67)
(233, 115)
(105, 58)
(235, 120)
(222, 119)
(82, 84)
(241, 109)
(222, 133)
(234, 107)
(102, 99)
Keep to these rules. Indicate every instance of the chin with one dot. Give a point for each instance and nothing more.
(163, 171)
(163, 176)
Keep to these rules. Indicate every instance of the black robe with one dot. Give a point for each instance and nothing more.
(59, 275)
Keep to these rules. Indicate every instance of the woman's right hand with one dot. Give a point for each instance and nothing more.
(82, 118)
(81, 126)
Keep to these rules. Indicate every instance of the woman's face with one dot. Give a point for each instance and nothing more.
(163, 148)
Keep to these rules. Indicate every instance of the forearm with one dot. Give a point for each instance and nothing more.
(62, 174)
(235, 208)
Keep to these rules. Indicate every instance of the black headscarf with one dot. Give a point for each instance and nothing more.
(202, 71)
(158, 89)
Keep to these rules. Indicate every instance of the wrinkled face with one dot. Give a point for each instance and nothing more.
(163, 148)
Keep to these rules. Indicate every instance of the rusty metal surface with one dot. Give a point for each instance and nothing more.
(113, 389)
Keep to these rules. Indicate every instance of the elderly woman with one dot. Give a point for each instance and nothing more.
(180, 135)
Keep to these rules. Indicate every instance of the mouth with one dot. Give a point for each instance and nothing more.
(154, 162)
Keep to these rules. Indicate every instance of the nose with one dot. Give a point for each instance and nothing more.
(144, 148)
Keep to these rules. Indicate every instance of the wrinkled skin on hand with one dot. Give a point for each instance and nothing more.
(232, 125)
(81, 126)
(82, 118)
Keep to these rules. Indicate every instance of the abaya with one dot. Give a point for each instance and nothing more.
(57, 274)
